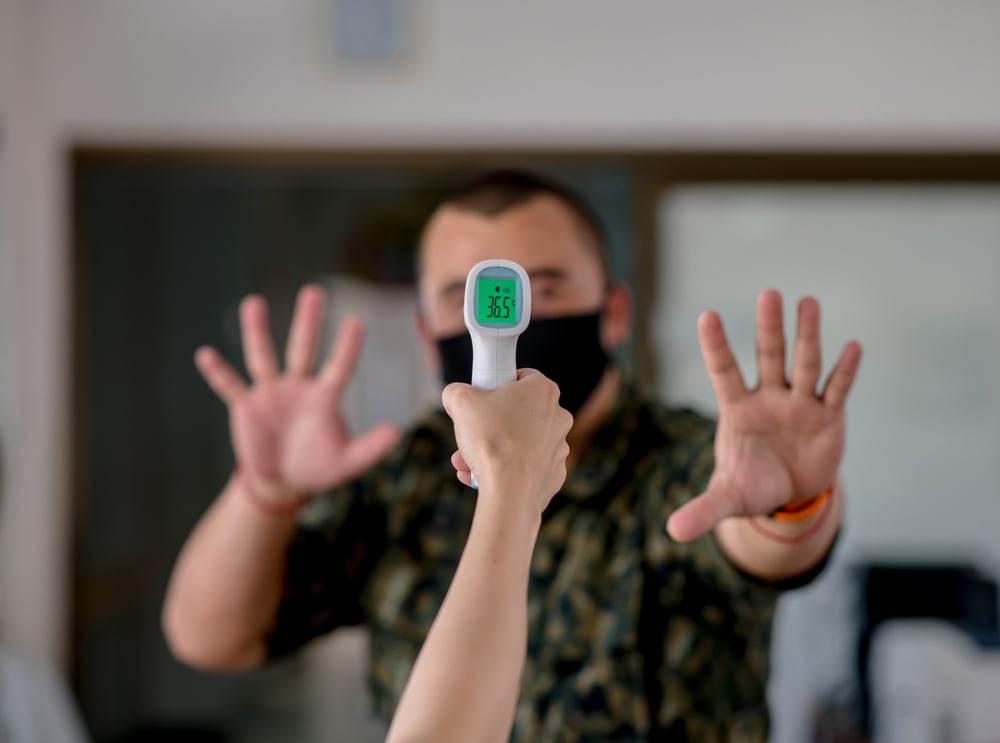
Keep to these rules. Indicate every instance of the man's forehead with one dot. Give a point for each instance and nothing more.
(540, 236)
(455, 285)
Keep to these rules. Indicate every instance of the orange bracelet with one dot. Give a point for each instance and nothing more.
(809, 533)
(802, 509)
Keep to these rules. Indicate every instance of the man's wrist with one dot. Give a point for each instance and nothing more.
(272, 500)
(807, 523)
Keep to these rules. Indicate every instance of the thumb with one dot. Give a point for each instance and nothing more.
(702, 514)
(453, 395)
(366, 450)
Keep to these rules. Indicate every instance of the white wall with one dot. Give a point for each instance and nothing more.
(8, 61)
(8, 379)
(565, 72)
(33, 525)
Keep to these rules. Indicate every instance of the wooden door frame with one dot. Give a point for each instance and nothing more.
(656, 172)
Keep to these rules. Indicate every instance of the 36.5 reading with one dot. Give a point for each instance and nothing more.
(499, 307)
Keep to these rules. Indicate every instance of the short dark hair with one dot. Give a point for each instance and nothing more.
(497, 191)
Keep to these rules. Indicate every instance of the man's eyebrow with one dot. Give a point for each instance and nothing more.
(556, 274)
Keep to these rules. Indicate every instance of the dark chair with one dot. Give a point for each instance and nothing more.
(958, 594)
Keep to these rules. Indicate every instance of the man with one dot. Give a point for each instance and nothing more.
(632, 634)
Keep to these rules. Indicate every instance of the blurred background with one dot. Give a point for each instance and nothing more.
(160, 160)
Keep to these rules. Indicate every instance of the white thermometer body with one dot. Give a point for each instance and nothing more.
(497, 310)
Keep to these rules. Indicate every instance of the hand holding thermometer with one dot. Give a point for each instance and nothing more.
(497, 309)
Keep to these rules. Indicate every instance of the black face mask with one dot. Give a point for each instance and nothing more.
(567, 350)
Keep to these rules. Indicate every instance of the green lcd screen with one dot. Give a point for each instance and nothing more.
(496, 301)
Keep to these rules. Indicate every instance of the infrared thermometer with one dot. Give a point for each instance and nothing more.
(497, 310)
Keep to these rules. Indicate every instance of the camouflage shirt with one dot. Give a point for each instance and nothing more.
(631, 636)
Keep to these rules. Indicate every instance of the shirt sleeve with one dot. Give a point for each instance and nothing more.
(343, 537)
(340, 538)
(706, 622)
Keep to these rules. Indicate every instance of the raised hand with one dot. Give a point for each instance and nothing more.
(513, 437)
(781, 441)
(287, 431)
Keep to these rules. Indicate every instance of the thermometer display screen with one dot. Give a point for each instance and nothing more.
(496, 301)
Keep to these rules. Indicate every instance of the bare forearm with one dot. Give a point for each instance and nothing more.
(226, 586)
(774, 550)
(465, 682)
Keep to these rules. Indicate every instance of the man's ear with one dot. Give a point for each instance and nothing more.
(428, 342)
(616, 325)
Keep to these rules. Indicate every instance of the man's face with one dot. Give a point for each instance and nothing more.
(541, 235)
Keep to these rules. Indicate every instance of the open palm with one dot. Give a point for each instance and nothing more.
(287, 431)
(781, 441)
